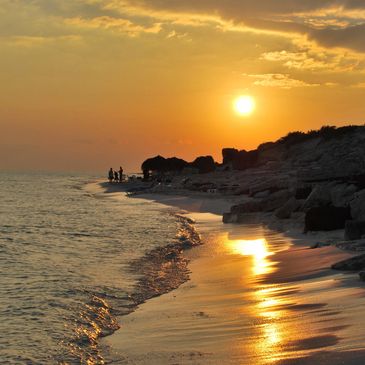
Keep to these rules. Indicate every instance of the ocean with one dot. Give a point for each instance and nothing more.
(73, 258)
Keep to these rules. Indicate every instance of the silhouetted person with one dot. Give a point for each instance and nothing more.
(116, 176)
(111, 175)
(120, 174)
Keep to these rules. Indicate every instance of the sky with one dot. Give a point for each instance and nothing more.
(90, 84)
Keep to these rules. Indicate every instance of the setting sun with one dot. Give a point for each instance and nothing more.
(244, 105)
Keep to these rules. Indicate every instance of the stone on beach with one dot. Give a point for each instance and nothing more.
(358, 205)
(319, 196)
(288, 208)
(354, 229)
(362, 275)
(342, 194)
(326, 218)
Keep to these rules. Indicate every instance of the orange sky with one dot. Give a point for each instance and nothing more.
(89, 84)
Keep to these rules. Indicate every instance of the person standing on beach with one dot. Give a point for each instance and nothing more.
(116, 176)
(111, 175)
(120, 173)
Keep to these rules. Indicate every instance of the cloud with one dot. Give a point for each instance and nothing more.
(281, 81)
(37, 41)
(314, 58)
(332, 23)
(116, 24)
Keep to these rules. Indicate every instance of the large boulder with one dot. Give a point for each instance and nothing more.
(358, 205)
(326, 218)
(288, 208)
(351, 264)
(303, 192)
(161, 164)
(204, 164)
(342, 194)
(157, 163)
(354, 230)
(230, 217)
(245, 160)
(320, 196)
(229, 155)
(251, 206)
(276, 200)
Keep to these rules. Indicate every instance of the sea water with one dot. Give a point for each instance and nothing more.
(66, 248)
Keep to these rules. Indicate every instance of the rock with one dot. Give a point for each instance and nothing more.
(161, 164)
(319, 196)
(204, 164)
(303, 192)
(262, 194)
(288, 208)
(251, 206)
(249, 218)
(229, 155)
(362, 275)
(229, 218)
(245, 160)
(354, 230)
(276, 200)
(342, 194)
(358, 205)
(352, 264)
(326, 218)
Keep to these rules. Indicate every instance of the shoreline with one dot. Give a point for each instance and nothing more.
(315, 260)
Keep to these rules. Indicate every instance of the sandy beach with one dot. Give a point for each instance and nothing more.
(255, 296)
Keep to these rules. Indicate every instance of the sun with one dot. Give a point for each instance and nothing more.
(244, 105)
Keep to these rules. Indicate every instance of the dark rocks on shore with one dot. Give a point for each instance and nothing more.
(320, 196)
(161, 164)
(276, 200)
(362, 275)
(354, 229)
(326, 218)
(351, 264)
(285, 211)
(251, 206)
(303, 192)
(240, 160)
(357, 205)
(204, 164)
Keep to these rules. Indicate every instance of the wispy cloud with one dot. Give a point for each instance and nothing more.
(116, 24)
(282, 81)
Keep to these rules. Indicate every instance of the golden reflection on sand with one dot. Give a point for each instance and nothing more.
(270, 306)
(258, 249)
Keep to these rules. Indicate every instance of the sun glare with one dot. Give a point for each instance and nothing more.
(244, 105)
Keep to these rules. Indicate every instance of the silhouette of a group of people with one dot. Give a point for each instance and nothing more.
(116, 176)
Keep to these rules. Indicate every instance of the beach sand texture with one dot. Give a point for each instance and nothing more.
(255, 297)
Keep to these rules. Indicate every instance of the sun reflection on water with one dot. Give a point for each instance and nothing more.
(269, 308)
(258, 249)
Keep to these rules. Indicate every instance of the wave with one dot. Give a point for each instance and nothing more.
(159, 271)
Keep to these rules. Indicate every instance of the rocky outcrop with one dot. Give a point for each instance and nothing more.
(288, 208)
(326, 218)
(357, 205)
(320, 196)
(204, 164)
(229, 155)
(354, 230)
(161, 164)
(362, 275)
(342, 194)
(275, 200)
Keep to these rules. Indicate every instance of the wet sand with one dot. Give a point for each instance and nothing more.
(255, 297)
